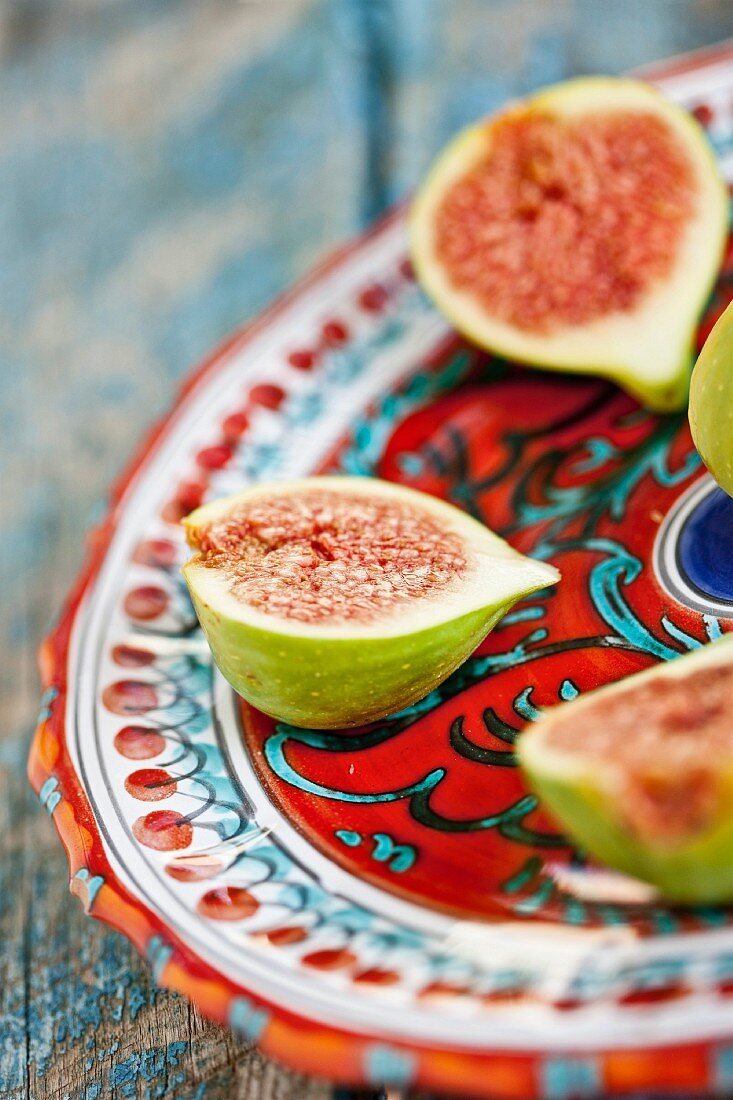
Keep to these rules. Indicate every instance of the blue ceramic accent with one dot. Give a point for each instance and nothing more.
(705, 547)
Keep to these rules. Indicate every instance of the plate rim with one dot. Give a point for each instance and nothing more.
(355, 1055)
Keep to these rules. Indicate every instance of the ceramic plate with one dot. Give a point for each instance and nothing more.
(390, 904)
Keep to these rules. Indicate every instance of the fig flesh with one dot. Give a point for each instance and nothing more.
(640, 773)
(579, 229)
(334, 601)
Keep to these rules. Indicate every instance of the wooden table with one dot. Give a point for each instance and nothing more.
(167, 167)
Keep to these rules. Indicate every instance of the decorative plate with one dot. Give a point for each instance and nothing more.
(390, 905)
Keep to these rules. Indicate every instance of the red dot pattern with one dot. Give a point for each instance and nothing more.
(150, 784)
(374, 298)
(443, 989)
(146, 602)
(130, 697)
(654, 994)
(188, 496)
(704, 114)
(163, 831)
(376, 976)
(336, 959)
(139, 743)
(234, 426)
(267, 395)
(284, 937)
(159, 553)
(128, 656)
(228, 903)
(334, 334)
(194, 870)
(214, 458)
(302, 360)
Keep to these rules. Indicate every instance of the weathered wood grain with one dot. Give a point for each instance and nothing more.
(166, 167)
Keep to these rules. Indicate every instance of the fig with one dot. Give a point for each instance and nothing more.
(334, 601)
(579, 229)
(711, 402)
(640, 773)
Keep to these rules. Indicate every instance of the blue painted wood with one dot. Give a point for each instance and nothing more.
(167, 166)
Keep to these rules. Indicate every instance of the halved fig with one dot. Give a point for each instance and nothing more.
(711, 402)
(580, 230)
(334, 601)
(640, 773)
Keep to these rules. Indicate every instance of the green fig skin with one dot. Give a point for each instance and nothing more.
(711, 402)
(334, 683)
(697, 873)
(581, 796)
(333, 674)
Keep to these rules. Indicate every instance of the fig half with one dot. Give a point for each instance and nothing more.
(334, 601)
(579, 229)
(711, 402)
(640, 773)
